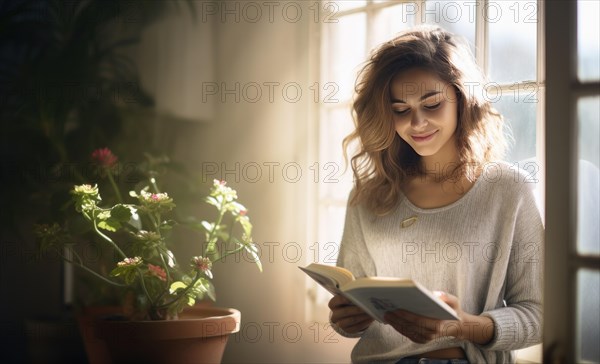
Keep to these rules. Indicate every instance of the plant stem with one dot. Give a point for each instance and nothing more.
(154, 185)
(155, 221)
(80, 265)
(166, 267)
(229, 253)
(182, 293)
(116, 247)
(168, 276)
(105, 237)
(214, 229)
(114, 185)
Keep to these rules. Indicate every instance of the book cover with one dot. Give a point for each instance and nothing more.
(378, 295)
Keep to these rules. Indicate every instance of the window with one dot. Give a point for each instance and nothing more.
(504, 37)
(572, 325)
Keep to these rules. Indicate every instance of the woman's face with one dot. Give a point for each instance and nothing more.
(425, 111)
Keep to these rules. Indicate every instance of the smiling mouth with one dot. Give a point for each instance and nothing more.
(423, 138)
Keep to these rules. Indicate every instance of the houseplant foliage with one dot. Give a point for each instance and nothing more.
(67, 81)
(138, 228)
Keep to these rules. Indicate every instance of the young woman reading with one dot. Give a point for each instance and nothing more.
(434, 202)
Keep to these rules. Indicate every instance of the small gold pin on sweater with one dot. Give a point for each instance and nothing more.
(408, 222)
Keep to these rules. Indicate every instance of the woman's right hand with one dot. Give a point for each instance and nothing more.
(347, 316)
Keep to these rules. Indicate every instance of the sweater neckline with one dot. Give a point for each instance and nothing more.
(458, 202)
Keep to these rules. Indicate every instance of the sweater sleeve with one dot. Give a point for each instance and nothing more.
(353, 254)
(518, 324)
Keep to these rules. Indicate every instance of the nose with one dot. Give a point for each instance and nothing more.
(418, 121)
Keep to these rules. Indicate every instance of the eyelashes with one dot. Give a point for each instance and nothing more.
(433, 107)
(400, 112)
(427, 107)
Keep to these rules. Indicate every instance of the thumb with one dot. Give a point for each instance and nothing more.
(451, 300)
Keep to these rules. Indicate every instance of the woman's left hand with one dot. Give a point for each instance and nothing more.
(421, 329)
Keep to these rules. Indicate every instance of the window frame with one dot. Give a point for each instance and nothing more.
(561, 255)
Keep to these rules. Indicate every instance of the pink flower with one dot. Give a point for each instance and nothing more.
(104, 157)
(130, 262)
(200, 263)
(155, 270)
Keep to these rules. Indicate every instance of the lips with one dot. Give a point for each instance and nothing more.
(423, 137)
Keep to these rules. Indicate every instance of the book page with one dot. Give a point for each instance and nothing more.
(331, 278)
(377, 300)
(378, 282)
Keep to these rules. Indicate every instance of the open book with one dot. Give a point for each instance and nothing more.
(378, 295)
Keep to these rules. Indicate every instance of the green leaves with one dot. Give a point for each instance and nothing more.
(127, 269)
(224, 199)
(252, 249)
(247, 226)
(177, 285)
(86, 197)
(189, 291)
(148, 244)
(153, 271)
(154, 202)
(51, 236)
(113, 219)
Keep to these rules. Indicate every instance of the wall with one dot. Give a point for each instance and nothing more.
(262, 133)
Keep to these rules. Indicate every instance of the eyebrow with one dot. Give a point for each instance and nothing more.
(429, 94)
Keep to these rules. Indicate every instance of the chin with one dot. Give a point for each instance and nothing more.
(425, 152)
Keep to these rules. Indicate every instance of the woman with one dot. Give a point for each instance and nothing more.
(432, 201)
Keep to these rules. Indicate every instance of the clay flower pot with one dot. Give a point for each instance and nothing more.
(198, 336)
(95, 347)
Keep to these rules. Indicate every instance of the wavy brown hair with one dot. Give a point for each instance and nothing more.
(384, 161)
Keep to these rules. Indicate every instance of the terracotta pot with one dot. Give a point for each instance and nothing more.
(95, 347)
(198, 336)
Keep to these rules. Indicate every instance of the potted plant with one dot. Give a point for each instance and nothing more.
(155, 326)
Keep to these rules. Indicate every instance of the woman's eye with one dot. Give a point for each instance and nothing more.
(401, 112)
(433, 106)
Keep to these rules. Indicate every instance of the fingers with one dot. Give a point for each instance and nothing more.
(345, 312)
(348, 316)
(451, 300)
(354, 323)
(417, 328)
(339, 300)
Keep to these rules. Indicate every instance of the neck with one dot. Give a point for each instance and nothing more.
(442, 164)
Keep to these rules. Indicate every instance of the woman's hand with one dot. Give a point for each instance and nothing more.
(421, 329)
(348, 316)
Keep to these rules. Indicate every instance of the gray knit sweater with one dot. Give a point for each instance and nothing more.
(486, 249)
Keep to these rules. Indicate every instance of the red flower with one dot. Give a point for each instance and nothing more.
(104, 157)
(157, 271)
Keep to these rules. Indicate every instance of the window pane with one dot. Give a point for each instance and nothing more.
(454, 16)
(326, 249)
(512, 40)
(588, 316)
(346, 52)
(343, 5)
(391, 20)
(588, 229)
(332, 183)
(330, 234)
(519, 112)
(588, 40)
